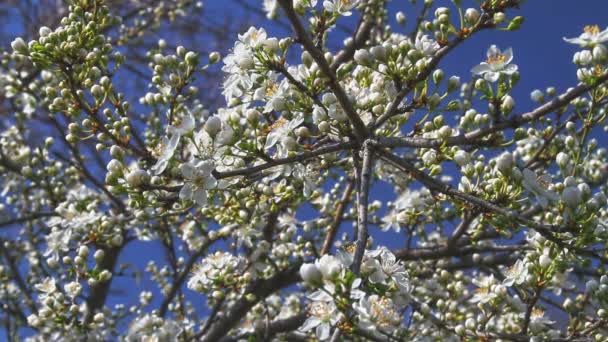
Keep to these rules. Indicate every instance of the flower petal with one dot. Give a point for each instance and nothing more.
(186, 191)
(510, 69)
(322, 331)
(481, 68)
(508, 53)
(310, 323)
(577, 41)
(188, 170)
(200, 196)
(491, 76)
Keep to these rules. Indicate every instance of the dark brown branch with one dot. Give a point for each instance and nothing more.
(259, 289)
(337, 219)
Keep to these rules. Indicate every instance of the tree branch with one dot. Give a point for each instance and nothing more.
(361, 130)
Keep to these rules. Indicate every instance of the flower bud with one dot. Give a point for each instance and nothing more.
(363, 57)
(83, 251)
(214, 57)
(462, 158)
(401, 18)
(570, 141)
(379, 52)
(302, 132)
(507, 104)
(99, 255)
(429, 157)
(213, 125)
(191, 58)
(433, 101)
(572, 196)
(253, 116)
(310, 274)
(137, 178)
(441, 11)
(105, 275)
(600, 53)
(544, 261)
(114, 166)
(285, 43)
(562, 159)
(117, 152)
(499, 17)
(471, 15)
(99, 317)
(438, 76)
(585, 57)
(329, 266)
(453, 83)
(19, 46)
(97, 91)
(289, 143)
(537, 96)
(307, 58)
(504, 163)
(324, 127)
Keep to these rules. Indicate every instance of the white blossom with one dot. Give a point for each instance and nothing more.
(197, 180)
(497, 63)
(591, 36)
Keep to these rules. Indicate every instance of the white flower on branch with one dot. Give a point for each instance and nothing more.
(497, 63)
(592, 35)
(323, 315)
(197, 180)
(539, 186)
(377, 313)
(516, 274)
(340, 7)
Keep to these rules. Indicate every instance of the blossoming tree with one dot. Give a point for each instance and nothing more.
(264, 207)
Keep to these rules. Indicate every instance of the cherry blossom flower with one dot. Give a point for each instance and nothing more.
(426, 45)
(197, 180)
(376, 312)
(169, 145)
(340, 7)
(592, 35)
(496, 64)
(516, 274)
(153, 328)
(539, 187)
(323, 315)
(280, 129)
(484, 292)
(386, 267)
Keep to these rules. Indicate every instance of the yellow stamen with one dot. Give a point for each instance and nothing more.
(598, 70)
(482, 290)
(538, 312)
(279, 123)
(320, 310)
(496, 59)
(350, 248)
(592, 29)
(271, 89)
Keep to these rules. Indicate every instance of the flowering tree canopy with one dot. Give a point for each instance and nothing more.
(265, 206)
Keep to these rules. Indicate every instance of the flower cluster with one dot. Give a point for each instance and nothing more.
(376, 297)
